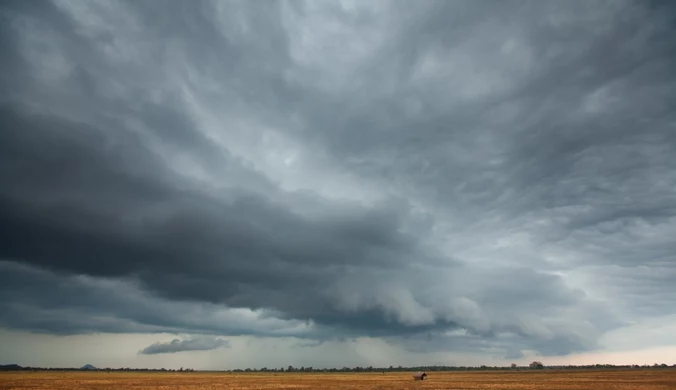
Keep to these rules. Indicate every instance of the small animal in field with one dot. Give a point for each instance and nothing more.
(419, 376)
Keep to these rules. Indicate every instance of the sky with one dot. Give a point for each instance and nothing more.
(231, 184)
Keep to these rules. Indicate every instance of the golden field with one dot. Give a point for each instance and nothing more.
(549, 380)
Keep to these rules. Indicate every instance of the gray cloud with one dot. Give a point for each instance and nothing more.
(46, 302)
(269, 251)
(202, 343)
(402, 173)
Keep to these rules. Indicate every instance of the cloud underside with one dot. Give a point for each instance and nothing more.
(436, 176)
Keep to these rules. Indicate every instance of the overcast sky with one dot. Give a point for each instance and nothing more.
(223, 184)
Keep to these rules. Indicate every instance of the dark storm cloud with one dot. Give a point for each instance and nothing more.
(191, 344)
(72, 200)
(46, 302)
(504, 152)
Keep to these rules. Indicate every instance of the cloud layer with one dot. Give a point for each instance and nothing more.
(486, 176)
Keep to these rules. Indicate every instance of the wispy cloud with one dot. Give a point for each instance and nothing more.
(202, 343)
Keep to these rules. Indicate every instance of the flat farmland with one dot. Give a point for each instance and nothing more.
(549, 380)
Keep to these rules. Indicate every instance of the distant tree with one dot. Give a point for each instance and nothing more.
(537, 365)
(513, 365)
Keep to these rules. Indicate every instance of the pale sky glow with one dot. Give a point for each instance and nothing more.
(229, 184)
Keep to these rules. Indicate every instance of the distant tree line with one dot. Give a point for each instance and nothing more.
(532, 366)
(15, 367)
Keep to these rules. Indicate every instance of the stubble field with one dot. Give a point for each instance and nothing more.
(550, 380)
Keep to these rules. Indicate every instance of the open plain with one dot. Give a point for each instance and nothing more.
(549, 380)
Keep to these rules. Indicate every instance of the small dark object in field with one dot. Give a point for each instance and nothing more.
(419, 376)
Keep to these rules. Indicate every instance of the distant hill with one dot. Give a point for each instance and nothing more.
(88, 367)
(10, 367)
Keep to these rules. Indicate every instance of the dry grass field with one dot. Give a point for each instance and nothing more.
(549, 380)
